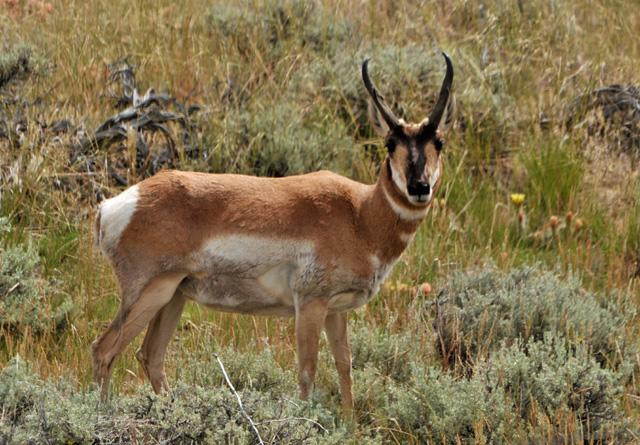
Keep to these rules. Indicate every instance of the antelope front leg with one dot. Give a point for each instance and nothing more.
(310, 318)
(335, 326)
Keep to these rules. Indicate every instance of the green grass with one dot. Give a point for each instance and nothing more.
(280, 85)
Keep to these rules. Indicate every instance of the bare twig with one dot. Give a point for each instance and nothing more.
(14, 287)
(226, 377)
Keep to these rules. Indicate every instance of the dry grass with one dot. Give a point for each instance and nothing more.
(518, 67)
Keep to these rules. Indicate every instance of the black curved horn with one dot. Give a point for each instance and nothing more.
(388, 116)
(445, 90)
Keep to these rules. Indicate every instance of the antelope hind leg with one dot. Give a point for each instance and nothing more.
(129, 323)
(154, 347)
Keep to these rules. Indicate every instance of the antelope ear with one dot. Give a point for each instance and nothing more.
(377, 122)
(447, 121)
(449, 115)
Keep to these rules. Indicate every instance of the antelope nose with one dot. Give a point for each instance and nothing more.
(418, 188)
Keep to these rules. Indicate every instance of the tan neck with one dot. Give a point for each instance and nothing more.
(388, 217)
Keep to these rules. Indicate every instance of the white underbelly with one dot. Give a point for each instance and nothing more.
(268, 293)
(347, 301)
(360, 295)
(265, 276)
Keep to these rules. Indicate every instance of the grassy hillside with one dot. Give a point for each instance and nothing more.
(500, 350)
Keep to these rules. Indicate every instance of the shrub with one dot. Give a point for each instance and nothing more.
(32, 410)
(408, 76)
(436, 407)
(526, 354)
(257, 370)
(480, 310)
(279, 141)
(28, 300)
(38, 411)
(547, 380)
(537, 389)
(17, 61)
(274, 26)
(387, 353)
(211, 415)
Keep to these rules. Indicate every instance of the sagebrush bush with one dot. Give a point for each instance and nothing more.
(437, 407)
(283, 140)
(28, 299)
(277, 26)
(551, 379)
(409, 76)
(41, 411)
(520, 391)
(387, 352)
(480, 310)
(19, 60)
(256, 371)
(521, 350)
(33, 410)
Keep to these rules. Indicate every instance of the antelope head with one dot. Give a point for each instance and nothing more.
(413, 149)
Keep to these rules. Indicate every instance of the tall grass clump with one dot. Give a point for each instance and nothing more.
(554, 175)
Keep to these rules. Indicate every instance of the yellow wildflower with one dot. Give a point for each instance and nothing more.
(517, 198)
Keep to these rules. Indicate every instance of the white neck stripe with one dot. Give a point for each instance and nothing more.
(403, 213)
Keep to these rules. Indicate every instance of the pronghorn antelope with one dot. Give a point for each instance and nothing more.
(312, 246)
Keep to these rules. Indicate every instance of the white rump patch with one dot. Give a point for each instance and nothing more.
(115, 215)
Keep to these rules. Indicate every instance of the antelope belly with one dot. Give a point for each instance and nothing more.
(349, 300)
(268, 293)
